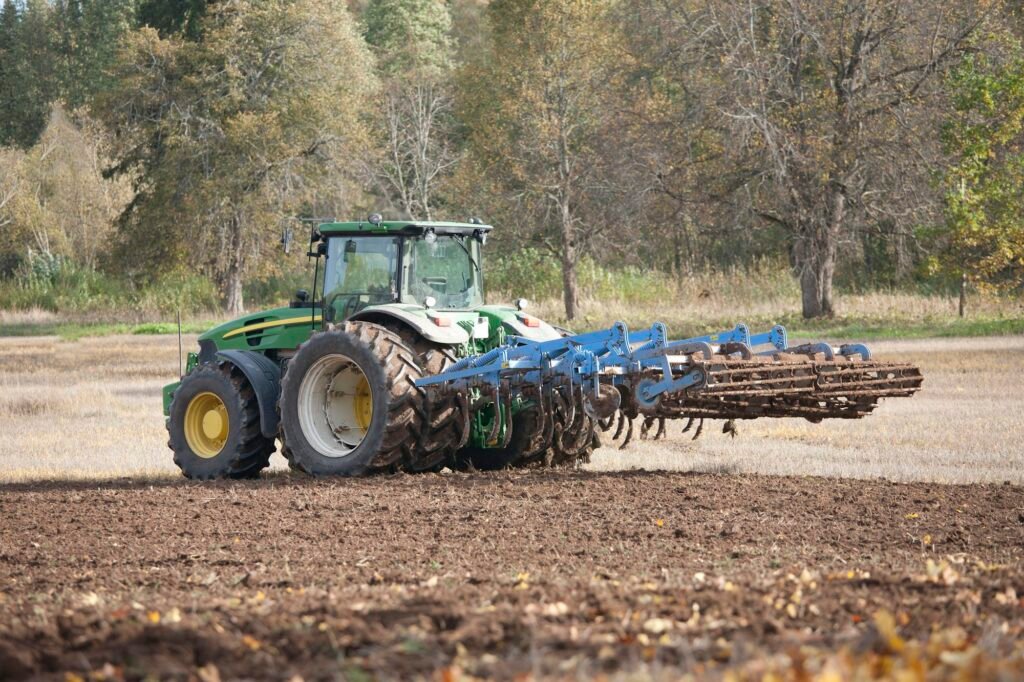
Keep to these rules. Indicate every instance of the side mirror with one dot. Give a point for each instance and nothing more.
(301, 299)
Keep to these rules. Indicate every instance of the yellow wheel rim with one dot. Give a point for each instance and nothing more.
(206, 425)
(363, 403)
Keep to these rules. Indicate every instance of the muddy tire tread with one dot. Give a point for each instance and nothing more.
(252, 454)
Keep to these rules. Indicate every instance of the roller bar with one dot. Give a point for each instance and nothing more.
(729, 375)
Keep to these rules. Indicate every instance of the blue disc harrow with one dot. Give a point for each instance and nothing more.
(579, 382)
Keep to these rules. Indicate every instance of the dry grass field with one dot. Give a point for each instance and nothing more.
(716, 301)
(91, 409)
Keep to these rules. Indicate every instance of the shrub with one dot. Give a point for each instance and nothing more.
(535, 275)
(48, 282)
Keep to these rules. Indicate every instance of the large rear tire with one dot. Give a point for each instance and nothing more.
(214, 425)
(349, 405)
(440, 413)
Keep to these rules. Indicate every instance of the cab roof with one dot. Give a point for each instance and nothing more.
(401, 227)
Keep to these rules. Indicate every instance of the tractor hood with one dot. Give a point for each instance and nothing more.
(519, 323)
(457, 327)
(288, 327)
(277, 328)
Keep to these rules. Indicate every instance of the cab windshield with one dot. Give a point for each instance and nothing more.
(445, 269)
(361, 271)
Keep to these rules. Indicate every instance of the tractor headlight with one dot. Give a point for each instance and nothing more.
(521, 304)
(430, 301)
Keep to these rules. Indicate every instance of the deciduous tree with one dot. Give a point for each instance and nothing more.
(228, 135)
(822, 97)
(539, 109)
(985, 184)
(414, 123)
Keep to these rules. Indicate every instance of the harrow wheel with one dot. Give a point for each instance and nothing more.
(521, 446)
(214, 425)
(348, 402)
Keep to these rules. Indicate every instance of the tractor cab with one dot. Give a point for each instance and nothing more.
(431, 265)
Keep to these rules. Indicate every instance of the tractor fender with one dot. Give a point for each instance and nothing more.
(542, 332)
(265, 376)
(448, 336)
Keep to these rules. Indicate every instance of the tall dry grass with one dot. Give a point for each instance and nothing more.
(91, 408)
(697, 307)
(760, 292)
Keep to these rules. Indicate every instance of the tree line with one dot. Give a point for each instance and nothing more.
(861, 142)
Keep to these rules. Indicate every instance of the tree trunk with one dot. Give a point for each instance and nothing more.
(816, 256)
(569, 284)
(233, 303)
(816, 286)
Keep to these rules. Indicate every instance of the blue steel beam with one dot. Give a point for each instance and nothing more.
(616, 353)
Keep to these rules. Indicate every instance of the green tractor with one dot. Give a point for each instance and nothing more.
(400, 365)
(334, 379)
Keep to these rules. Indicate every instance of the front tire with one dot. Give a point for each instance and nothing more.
(214, 425)
(348, 401)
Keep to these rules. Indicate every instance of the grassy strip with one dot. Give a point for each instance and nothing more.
(906, 329)
(72, 330)
(864, 329)
(848, 328)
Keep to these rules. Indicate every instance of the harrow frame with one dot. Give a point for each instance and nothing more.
(729, 375)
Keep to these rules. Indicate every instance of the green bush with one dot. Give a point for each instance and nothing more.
(189, 293)
(536, 275)
(277, 289)
(52, 283)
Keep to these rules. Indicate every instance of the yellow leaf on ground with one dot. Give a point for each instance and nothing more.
(886, 626)
(657, 626)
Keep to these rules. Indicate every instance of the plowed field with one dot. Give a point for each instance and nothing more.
(544, 574)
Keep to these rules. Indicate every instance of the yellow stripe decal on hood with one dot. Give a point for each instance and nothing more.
(273, 323)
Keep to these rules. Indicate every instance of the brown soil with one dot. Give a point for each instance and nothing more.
(551, 574)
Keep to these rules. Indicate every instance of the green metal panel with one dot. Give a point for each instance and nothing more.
(168, 393)
(276, 329)
(400, 227)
